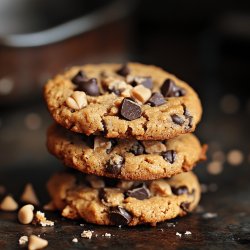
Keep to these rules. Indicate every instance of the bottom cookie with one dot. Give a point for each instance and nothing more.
(106, 201)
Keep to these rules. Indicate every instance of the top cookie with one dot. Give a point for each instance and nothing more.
(123, 101)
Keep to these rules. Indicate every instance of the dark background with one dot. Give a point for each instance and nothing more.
(206, 43)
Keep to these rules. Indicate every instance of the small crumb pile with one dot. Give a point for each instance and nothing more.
(87, 234)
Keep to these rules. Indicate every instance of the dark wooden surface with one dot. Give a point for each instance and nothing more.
(229, 230)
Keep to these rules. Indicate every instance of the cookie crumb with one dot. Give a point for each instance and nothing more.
(87, 234)
(42, 220)
(82, 225)
(8, 204)
(75, 240)
(169, 224)
(187, 233)
(178, 234)
(23, 240)
(36, 243)
(209, 215)
(29, 195)
(107, 235)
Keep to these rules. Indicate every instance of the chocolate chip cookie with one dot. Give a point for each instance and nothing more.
(106, 201)
(125, 159)
(123, 101)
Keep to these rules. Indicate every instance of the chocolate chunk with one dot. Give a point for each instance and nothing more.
(139, 192)
(177, 119)
(114, 165)
(170, 89)
(119, 216)
(169, 156)
(89, 86)
(79, 77)
(130, 110)
(185, 206)
(124, 70)
(137, 148)
(156, 99)
(180, 190)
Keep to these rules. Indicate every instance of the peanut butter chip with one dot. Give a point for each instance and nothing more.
(25, 214)
(154, 147)
(160, 187)
(29, 195)
(140, 93)
(8, 204)
(36, 243)
(101, 142)
(77, 100)
(127, 91)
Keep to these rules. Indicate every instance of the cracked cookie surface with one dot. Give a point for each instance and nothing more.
(133, 101)
(106, 201)
(125, 159)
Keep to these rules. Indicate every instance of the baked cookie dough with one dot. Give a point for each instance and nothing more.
(105, 201)
(123, 101)
(125, 159)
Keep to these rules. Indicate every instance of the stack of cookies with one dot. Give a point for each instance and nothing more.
(126, 130)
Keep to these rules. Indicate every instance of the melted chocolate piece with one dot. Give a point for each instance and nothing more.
(177, 119)
(119, 216)
(157, 99)
(169, 156)
(130, 110)
(123, 71)
(139, 192)
(137, 148)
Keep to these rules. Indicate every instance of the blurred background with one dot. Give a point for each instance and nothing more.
(206, 43)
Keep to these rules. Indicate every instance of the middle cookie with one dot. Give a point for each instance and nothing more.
(125, 159)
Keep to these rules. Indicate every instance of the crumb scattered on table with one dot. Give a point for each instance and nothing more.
(209, 215)
(87, 234)
(42, 220)
(75, 240)
(178, 234)
(23, 240)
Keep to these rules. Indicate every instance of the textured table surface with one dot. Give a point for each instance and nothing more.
(229, 230)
